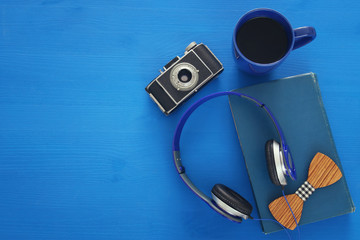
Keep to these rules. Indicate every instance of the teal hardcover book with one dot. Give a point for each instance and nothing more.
(297, 105)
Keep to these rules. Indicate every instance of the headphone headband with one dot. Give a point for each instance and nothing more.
(192, 108)
(176, 147)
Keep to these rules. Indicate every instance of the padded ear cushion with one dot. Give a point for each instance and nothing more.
(269, 151)
(232, 199)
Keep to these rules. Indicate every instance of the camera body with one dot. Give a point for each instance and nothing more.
(182, 77)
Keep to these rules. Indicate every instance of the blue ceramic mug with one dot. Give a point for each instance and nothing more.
(263, 38)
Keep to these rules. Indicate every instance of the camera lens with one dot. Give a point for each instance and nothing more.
(184, 75)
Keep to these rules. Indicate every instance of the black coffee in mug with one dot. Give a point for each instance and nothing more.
(262, 40)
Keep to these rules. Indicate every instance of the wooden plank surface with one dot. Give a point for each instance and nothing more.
(85, 153)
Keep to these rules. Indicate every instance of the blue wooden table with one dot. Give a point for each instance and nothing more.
(86, 154)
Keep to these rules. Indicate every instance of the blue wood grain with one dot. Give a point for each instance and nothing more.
(85, 153)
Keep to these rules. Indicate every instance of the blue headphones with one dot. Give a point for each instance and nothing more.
(224, 200)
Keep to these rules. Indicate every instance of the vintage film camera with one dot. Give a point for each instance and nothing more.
(183, 76)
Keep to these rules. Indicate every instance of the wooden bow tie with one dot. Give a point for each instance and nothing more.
(322, 172)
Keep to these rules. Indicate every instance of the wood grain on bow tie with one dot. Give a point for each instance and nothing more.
(322, 172)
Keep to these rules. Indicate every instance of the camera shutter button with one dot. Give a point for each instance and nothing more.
(190, 46)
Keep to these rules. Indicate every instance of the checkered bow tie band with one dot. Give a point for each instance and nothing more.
(305, 191)
(322, 172)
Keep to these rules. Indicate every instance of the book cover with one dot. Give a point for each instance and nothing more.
(297, 105)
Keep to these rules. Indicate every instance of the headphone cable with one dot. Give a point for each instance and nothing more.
(264, 219)
(297, 225)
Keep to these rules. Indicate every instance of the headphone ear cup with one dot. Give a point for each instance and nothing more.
(271, 162)
(230, 201)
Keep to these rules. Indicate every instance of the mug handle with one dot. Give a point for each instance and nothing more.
(303, 36)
